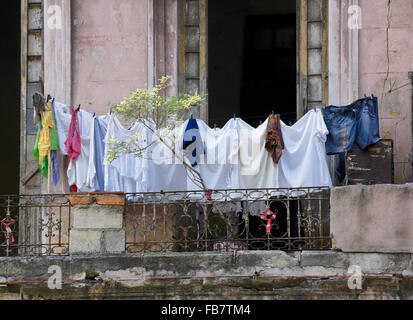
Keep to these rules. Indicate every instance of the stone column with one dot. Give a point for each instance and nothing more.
(97, 223)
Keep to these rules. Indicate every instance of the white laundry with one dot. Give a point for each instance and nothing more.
(91, 169)
(257, 170)
(304, 162)
(63, 119)
(124, 174)
(235, 156)
(164, 169)
(218, 166)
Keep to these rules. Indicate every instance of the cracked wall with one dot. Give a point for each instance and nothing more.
(385, 59)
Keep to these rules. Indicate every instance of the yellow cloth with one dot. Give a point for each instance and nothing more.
(47, 125)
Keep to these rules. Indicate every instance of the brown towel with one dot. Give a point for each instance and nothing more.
(274, 142)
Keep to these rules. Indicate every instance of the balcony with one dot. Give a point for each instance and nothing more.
(358, 218)
(226, 220)
(190, 221)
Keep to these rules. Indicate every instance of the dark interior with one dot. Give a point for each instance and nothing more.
(268, 68)
(10, 98)
(252, 60)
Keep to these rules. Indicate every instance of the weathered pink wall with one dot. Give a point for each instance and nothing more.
(385, 58)
(375, 218)
(109, 51)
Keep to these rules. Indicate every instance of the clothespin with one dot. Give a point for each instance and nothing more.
(372, 96)
(192, 116)
(215, 125)
(260, 122)
(110, 111)
(272, 112)
(94, 114)
(365, 96)
(235, 116)
(78, 108)
(53, 100)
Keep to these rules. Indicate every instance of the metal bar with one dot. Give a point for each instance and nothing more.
(164, 224)
(299, 218)
(205, 235)
(154, 221)
(288, 221)
(320, 218)
(144, 226)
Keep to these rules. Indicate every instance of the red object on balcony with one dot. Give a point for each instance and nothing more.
(264, 216)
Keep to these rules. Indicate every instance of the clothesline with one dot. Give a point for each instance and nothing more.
(237, 156)
(230, 169)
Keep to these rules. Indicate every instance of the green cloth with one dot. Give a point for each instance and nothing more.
(44, 167)
(54, 145)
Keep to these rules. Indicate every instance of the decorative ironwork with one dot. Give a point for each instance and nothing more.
(34, 225)
(223, 220)
(216, 220)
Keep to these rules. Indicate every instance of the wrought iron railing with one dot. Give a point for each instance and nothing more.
(181, 221)
(223, 220)
(34, 225)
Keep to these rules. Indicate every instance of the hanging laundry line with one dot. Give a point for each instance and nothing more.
(221, 156)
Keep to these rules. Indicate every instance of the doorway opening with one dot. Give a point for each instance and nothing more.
(251, 60)
(10, 99)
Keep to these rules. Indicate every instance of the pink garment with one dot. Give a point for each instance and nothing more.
(73, 144)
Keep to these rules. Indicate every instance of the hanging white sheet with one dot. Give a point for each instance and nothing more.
(304, 162)
(218, 164)
(233, 157)
(257, 170)
(124, 174)
(164, 169)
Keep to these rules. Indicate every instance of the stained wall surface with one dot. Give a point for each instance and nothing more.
(236, 275)
(376, 218)
(109, 51)
(385, 58)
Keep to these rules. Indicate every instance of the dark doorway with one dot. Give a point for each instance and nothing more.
(251, 60)
(269, 68)
(10, 98)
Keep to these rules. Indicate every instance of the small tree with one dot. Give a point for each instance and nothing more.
(160, 115)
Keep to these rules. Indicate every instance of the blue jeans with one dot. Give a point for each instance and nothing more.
(357, 122)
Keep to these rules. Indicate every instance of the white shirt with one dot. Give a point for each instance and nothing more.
(218, 165)
(124, 174)
(304, 161)
(164, 170)
(257, 170)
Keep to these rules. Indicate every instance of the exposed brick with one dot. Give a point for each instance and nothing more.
(77, 200)
(113, 200)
